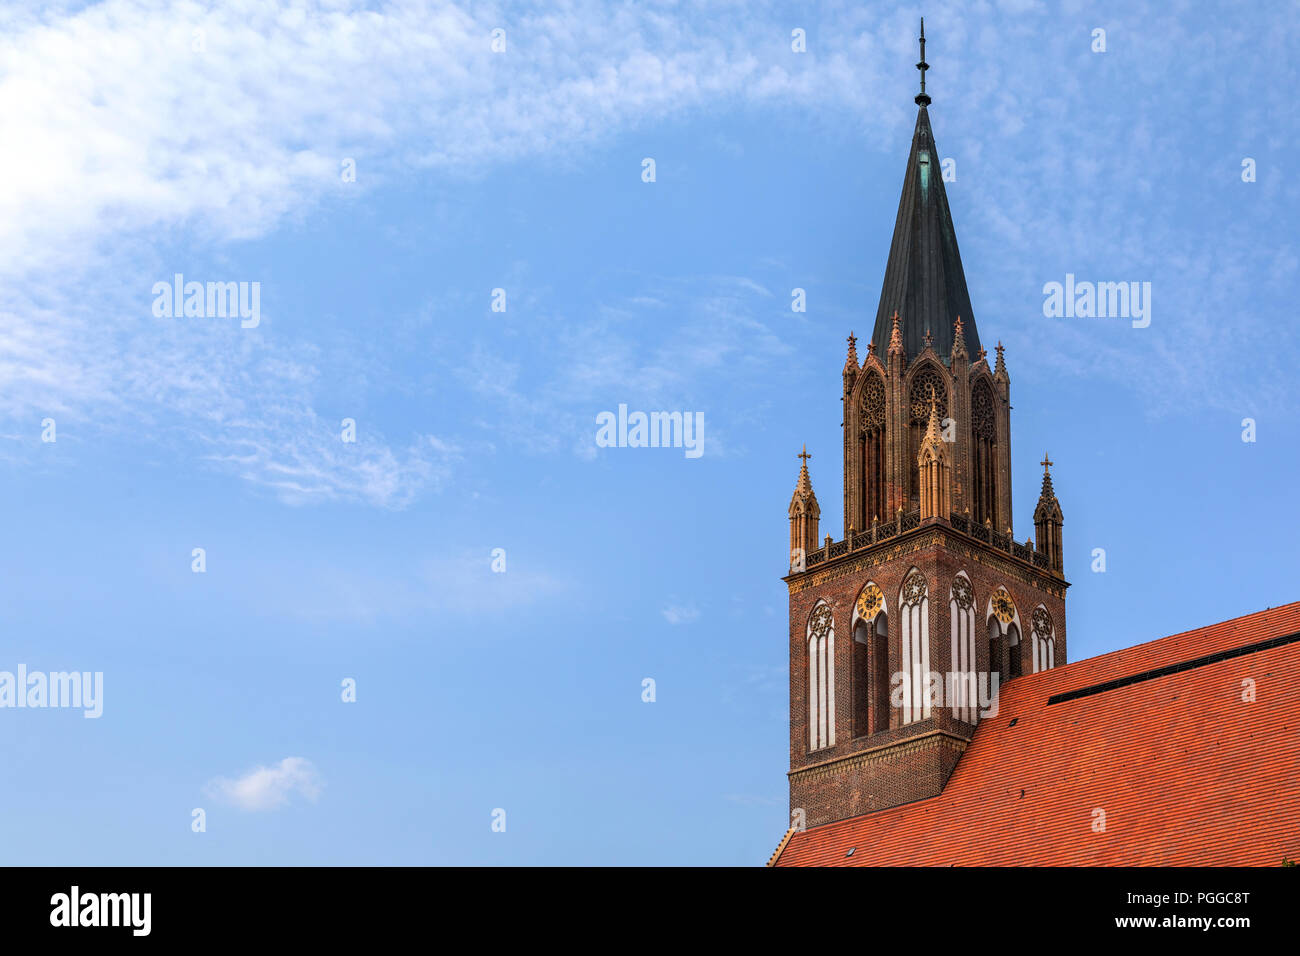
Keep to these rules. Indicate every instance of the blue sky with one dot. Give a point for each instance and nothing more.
(131, 155)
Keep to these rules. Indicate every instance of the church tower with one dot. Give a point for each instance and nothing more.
(902, 631)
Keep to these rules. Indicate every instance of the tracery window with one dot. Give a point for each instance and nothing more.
(961, 608)
(983, 426)
(914, 611)
(821, 677)
(926, 379)
(870, 662)
(871, 451)
(1044, 639)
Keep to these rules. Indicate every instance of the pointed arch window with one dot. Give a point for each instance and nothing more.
(1004, 624)
(926, 378)
(961, 613)
(914, 616)
(871, 451)
(984, 470)
(870, 662)
(821, 677)
(1044, 640)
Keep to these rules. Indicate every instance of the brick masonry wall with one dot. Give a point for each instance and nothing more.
(909, 762)
(875, 779)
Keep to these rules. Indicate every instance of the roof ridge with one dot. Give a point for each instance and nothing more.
(1292, 606)
(1165, 670)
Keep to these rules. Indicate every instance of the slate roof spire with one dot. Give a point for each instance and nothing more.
(924, 281)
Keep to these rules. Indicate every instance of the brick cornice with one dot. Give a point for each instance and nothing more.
(928, 741)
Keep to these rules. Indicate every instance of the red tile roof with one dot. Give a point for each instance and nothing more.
(1187, 773)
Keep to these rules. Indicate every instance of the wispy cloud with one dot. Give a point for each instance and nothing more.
(268, 788)
(677, 614)
(145, 122)
(710, 338)
(231, 116)
(148, 123)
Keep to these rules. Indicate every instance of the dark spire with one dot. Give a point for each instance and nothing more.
(924, 281)
(921, 98)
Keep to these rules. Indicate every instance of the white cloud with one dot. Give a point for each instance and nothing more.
(268, 788)
(128, 141)
(127, 127)
(676, 614)
(140, 134)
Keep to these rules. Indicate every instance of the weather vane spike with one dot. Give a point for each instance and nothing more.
(921, 98)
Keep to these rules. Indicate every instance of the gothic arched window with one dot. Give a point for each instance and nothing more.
(926, 379)
(870, 662)
(984, 469)
(1004, 620)
(914, 616)
(871, 451)
(961, 613)
(1044, 639)
(821, 677)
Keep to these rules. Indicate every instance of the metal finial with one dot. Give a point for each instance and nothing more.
(921, 98)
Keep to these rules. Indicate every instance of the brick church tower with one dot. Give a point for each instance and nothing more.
(901, 632)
